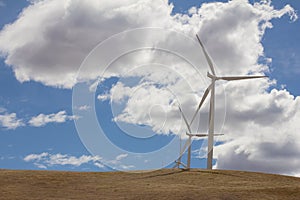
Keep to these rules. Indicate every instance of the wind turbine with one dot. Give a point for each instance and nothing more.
(188, 143)
(211, 88)
(190, 134)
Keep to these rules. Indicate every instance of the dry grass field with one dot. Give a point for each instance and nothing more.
(161, 184)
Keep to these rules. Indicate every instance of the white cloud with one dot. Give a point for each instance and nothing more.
(117, 160)
(84, 108)
(99, 165)
(59, 159)
(35, 157)
(45, 160)
(41, 166)
(192, 10)
(103, 97)
(42, 119)
(121, 156)
(147, 105)
(66, 31)
(261, 133)
(10, 121)
(127, 167)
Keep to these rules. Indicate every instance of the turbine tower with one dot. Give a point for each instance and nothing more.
(211, 88)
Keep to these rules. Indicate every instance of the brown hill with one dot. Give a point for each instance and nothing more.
(161, 184)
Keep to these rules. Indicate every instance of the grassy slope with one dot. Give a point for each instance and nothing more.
(162, 184)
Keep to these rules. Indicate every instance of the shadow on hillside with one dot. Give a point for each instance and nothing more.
(220, 173)
(166, 173)
(200, 171)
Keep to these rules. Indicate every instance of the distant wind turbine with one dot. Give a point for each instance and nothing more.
(190, 135)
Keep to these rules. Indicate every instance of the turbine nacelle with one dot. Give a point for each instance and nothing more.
(201, 134)
(209, 75)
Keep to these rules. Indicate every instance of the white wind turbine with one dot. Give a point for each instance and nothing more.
(211, 88)
(190, 134)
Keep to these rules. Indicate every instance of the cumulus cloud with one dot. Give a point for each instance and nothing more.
(59, 117)
(66, 31)
(266, 137)
(10, 120)
(147, 105)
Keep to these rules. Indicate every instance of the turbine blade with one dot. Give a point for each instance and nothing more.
(201, 102)
(185, 120)
(209, 61)
(187, 143)
(234, 78)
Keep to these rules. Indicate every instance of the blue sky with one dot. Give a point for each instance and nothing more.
(38, 129)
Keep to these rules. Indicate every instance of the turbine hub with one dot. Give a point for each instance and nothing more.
(209, 75)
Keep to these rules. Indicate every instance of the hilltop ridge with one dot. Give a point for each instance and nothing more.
(160, 184)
